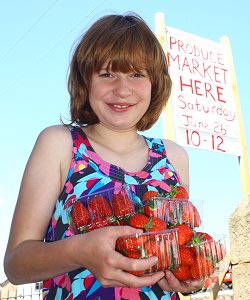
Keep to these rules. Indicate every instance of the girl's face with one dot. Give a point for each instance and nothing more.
(120, 99)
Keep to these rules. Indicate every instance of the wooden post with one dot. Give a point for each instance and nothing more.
(243, 159)
(167, 114)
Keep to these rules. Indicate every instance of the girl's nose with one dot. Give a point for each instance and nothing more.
(122, 88)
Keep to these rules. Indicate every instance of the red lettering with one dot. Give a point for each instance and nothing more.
(206, 71)
(205, 89)
(195, 67)
(224, 72)
(186, 64)
(220, 60)
(176, 58)
(208, 89)
(180, 46)
(216, 74)
(212, 59)
(197, 88)
(172, 42)
(220, 93)
(190, 85)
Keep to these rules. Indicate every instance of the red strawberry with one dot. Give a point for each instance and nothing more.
(185, 234)
(178, 192)
(186, 255)
(202, 268)
(156, 247)
(206, 240)
(155, 224)
(130, 247)
(191, 215)
(126, 245)
(99, 206)
(151, 248)
(137, 273)
(182, 273)
(135, 255)
(97, 222)
(220, 251)
(150, 208)
(122, 205)
(80, 214)
(203, 236)
(138, 220)
(150, 194)
(156, 208)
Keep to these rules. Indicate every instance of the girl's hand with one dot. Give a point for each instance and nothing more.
(171, 284)
(108, 265)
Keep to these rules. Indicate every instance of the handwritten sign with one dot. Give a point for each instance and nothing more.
(202, 99)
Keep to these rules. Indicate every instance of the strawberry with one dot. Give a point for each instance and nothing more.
(135, 255)
(185, 234)
(202, 236)
(99, 206)
(202, 242)
(150, 208)
(80, 214)
(150, 194)
(191, 215)
(201, 268)
(131, 247)
(122, 205)
(182, 273)
(155, 224)
(138, 220)
(220, 251)
(151, 248)
(128, 245)
(156, 208)
(178, 192)
(156, 247)
(138, 273)
(186, 255)
(96, 223)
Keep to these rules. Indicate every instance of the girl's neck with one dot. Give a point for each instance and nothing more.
(103, 135)
(126, 149)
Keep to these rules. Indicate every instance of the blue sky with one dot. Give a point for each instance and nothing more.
(36, 41)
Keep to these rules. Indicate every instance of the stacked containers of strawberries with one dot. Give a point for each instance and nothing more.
(114, 207)
(201, 255)
(170, 230)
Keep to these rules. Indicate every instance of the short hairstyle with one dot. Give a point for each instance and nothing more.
(127, 44)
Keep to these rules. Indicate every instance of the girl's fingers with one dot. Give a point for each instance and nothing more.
(139, 281)
(171, 283)
(131, 264)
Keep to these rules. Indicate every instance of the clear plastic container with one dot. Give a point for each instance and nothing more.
(97, 210)
(163, 244)
(174, 211)
(203, 260)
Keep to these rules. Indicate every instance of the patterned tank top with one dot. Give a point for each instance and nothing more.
(89, 174)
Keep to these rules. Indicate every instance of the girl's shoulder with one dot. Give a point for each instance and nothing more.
(54, 139)
(55, 134)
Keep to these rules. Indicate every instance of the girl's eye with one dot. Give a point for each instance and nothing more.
(139, 75)
(105, 75)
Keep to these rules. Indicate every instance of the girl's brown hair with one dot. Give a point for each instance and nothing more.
(127, 44)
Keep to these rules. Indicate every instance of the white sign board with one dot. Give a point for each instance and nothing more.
(202, 98)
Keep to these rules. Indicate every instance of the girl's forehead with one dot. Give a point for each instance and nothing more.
(123, 65)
